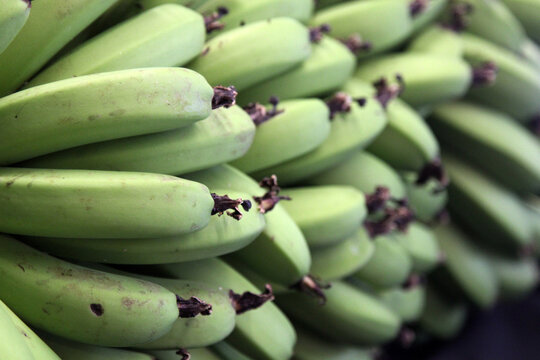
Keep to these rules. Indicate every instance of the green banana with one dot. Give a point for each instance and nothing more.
(168, 35)
(280, 253)
(349, 130)
(514, 91)
(467, 272)
(381, 23)
(517, 278)
(223, 136)
(349, 315)
(406, 303)
(100, 107)
(426, 200)
(12, 19)
(195, 354)
(297, 127)
(227, 352)
(100, 204)
(272, 47)
(421, 245)
(429, 78)
(527, 12)
(51, 25)
(326, 214)
(441, 317)
(262, 334)
(342, 259)
(82, 304)
(438, 40)
(492, 141)
(530, 51)
(330, 65)
(222, 235)
(495, 215)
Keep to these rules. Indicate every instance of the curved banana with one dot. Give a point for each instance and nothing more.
(438, 40)
(330, 65)
(12, 19)
(527, 12)
(492, 141)
(517, 278)
(13, 345)
(297, 127)
(227, 352)
(407, 303)
(311, 347)
(52, 24)
(422, 247)
(426, 200)
(495, 215)
(349, 315)
(272, 47)
(442, 318)
(82, 304)
(100, 107)
(168, 35)
(264, 333)
(100, 204)
(225, 135)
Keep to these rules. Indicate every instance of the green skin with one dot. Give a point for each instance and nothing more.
(425, 200)
(311, 347)
(227, 352)
(514, 91)
(327, 69)
(225, 135)
(340, 260)
(326, 214)
(530, 51)
(13, 345)
(58, 116)
(441, 318)
(301, 127)
(52, 25)
(12, 19)
(82, 304)
(492, 141)
(365, 172)
(169, 35)
(429, 15)
(408, 304)
(196, 354)
(100, 204)
(422, 246)
(383, 23)
(349, 315)
(437, 40)
(222, 235)
(280, 253)
(272, 47)
(429, 79)
(527, 12)
(264, 333)
(349, 132)
(517, 278)
(495, 215)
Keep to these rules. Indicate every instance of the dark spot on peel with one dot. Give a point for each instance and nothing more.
(118, 112)
(212, 23)
(97, 309)
(21, 267)
(249, 301)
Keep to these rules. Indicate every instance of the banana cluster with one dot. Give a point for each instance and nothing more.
(263, 179)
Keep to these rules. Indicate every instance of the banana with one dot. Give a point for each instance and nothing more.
(514, 91)
(406, 303)
(280, 253)
(426, 200)
(82, 304)
(349, 130)
(421, 245)
(100, 107)
(438, 40)
(168, 35)
(381, 23)
(295, 128)
(330, 65)
(261, 334)
(530, 51)
(527, 12)
(223, 136)
(349, 315)
(389, 266)
(222, 235)
(272, 47)
(326, 214)
(492, 141)
(429, 78)
(13, 345)
(495, 215)
(467, 273)
(365, 172)
(12, 19)
(227, 352)
(52, 24)
(427, 15)
(342, 259)
(441, 317)
(517, 278)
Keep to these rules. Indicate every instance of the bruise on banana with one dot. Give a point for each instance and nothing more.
(341, 103)
(222, 203)
(224, 96)
(269, 200)
(311, 286)
(212, 23)
(260, 114)
(192, 307)
(249, 301)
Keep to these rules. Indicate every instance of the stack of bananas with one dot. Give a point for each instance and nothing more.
(262, 179)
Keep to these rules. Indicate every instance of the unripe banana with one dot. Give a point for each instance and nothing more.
(517, 278)
(82, 304)
(52, 24)
(297, 127)
(12, 18)
(438, 40)
(426, 200)
(272, 47)
(227, 352)
(422, 247)
(223, 136)
(442, 318)
(406, 303)
(13, 345)
(100, 204)
(168, 35)
(100, 107)
(527, 12)
(530, 51)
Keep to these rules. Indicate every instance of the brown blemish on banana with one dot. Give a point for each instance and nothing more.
(224, 96)
(184, 354)
(387, 92)
(416, 7)
(316, 33)
(189, 308)
(97, 309)
(249, 301)
(356, 44)
(377, 200)
(309, 285)
(484, 74)
(212, 23)
(222, 203)
(433, 170)
(260, 114)
(269, 200)
(458, 17)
